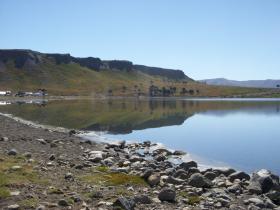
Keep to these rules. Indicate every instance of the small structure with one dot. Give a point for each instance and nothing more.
(5, 93)
(40, 92)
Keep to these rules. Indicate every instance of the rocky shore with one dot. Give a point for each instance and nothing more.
(45, 169)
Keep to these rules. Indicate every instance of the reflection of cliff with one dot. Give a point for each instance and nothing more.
(126, 115)
(129, 127)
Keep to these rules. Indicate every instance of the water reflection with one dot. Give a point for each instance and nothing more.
(125, 115)
(241, 133)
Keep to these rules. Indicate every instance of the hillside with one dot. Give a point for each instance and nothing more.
(269, 83)
(63, 74)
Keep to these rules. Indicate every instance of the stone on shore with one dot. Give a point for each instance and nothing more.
(124, 203)
(13, 207)
(198, 180)
(265, 180)
(13, 152)
(239, 175)
(154, 179)
(187, 165)
(167, 195)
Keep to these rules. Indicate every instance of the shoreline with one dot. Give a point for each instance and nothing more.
(83, 174)
(53, 97)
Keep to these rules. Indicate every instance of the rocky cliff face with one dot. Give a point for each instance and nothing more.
(27, 57)
(169, 73)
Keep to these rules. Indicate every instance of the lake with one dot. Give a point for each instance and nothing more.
(239, 133)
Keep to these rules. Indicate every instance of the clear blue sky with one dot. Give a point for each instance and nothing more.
(236, 39)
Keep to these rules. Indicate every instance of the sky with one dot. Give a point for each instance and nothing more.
(235, 39)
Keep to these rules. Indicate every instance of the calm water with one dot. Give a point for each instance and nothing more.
(244, 134)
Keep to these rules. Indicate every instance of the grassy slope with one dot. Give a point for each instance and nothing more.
(72, 79)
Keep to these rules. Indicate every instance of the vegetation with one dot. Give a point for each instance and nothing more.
(10, 177)
(29, 203)
(102, 176)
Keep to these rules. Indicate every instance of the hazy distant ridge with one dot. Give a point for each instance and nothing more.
(269, 83)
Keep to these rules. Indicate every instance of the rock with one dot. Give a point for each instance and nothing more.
(16, 168)
(53, 145)
(95, 156)
(79, 167)
(13, 152)
(142, 199)
(72, 132)
(147, 143)
(41, 207)
(226, 171)
(153, 180)
(239, 175)
(254, 188)
(52, 157)
(124, 203)
(109, 161)
(187, 165)
(63, 202)
(193, 170)
(162, 151)
(126, 163)
(42, 141)
(27, 155)
(122, 144)
(179, 172)
(223, 202)
(135, 158)
(50, 164)
(236, 189)
(13, 207)
(160, 158)
(269, 204)
(4, 139)
(147, 173)
(210, 175)
(15, 193)
(256, 201)
(265, 180)
(274, 196)
(167, 195)
(69, 176)
(173, 180)
(197, 180)
(179, 153)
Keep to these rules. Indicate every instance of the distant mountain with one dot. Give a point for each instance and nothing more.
(269, 83)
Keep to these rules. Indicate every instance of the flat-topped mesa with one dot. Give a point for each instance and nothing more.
(156, 71)
(20, 57)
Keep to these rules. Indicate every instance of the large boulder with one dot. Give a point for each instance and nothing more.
(13, 152)
(265, 180)
(154, 179)
(96, 156)
(167, 195)
(224, 171)
(161, 151)
(210, 175)
(148, 172)
(198, 180)
(142, 199)
(124, 203)
(274, 196)
(239, 175)
(187, 165)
